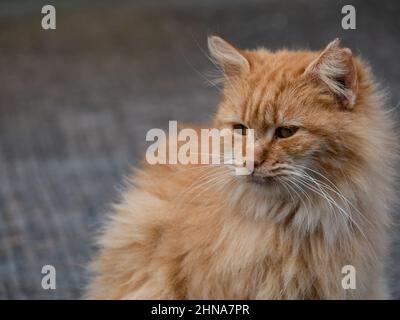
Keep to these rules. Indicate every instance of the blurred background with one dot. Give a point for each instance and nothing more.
(76, 103)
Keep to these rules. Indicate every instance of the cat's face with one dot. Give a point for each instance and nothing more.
(302, 107)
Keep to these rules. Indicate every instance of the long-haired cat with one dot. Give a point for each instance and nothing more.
(318, 199)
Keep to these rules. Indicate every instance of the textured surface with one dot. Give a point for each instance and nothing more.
(76, 103)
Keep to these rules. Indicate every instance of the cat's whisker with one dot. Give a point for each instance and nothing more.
(306, 207)
(195, 184)
(199, 167)
(335, 212)
(304, 179)
(335, 190)
(304, 176)
(207, 185)
(348, 203)
(350, 218)
(284, 183)
(203, 181)
(226, 160)
(320, 183)
(328, 198)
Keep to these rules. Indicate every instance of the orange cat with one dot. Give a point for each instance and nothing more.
(318, 199)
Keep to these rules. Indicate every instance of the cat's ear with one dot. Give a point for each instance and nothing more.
(232, 62)
(335, 67)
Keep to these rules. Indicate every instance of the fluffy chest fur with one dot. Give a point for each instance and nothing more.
(213, 249)
(234, 256)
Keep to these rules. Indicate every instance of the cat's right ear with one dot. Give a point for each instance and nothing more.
(232, 62)
(336, 68)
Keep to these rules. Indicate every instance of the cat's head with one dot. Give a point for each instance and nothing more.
(309, 110)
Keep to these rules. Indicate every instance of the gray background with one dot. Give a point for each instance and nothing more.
(75, 105)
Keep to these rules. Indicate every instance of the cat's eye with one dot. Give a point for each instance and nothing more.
(285, 132)
(241, 128)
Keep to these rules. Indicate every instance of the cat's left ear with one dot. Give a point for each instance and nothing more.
(335, 67)
(231, 60)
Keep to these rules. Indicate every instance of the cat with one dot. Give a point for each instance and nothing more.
(318, 199)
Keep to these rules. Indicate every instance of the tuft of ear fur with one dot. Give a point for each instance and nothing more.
(336, 68)
(232, 62)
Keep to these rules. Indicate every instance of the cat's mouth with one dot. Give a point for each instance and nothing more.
(266, 176)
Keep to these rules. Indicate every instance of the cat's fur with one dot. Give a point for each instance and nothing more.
(197, 232)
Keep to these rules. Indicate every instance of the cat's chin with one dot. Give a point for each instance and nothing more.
(263, 185)
(263, 181)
